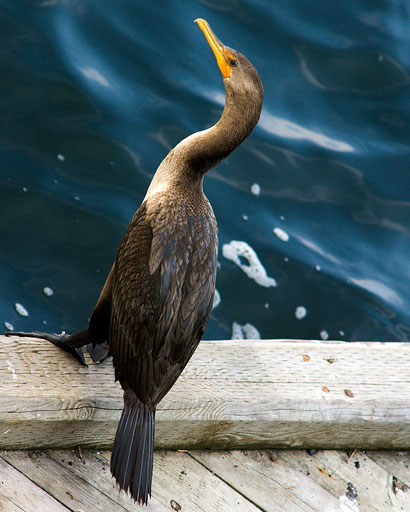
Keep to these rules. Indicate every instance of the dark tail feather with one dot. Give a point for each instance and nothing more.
(132, 453)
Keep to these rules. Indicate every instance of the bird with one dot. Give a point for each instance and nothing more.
(157, 299)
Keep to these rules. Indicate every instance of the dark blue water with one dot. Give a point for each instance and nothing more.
(94, 94)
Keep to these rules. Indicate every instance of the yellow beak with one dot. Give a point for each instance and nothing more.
(223, 57)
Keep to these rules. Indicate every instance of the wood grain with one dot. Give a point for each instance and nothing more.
(18, 492)
(271, 485)
(223, 481)
(94, 469)
(181, 483)
(233, 394)
(330, 480)
(61, 483)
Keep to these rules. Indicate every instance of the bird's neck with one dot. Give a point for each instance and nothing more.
(186, 164)
(205, 149)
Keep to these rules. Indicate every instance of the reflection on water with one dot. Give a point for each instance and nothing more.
(313, 209)
(287, 129)
(379, 289)
(365, 72)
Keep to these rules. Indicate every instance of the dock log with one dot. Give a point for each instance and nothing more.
(254, 394)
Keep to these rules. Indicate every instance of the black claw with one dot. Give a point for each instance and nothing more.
(99, 352)
(78, 354)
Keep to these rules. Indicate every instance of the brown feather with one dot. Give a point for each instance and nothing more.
(160, 300)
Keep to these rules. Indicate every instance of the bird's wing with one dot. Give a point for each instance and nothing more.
(163, 289)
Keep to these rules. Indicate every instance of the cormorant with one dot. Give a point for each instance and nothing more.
(158, 296)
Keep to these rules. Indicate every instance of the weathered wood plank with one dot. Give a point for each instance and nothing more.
(396, 463)
(61, 483)
(233, 394)
(270, 485)
(181, 483)
(198, 481)
(94, 469)
(354, 480)
(8, 506)
(19, 493)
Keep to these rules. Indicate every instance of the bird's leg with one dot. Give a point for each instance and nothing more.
(69, 343)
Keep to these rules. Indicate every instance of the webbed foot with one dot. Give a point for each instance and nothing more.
(69, 343)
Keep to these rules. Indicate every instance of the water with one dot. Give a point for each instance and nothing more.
(93, 95)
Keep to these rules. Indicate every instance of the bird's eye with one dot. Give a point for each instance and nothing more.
(234, 63)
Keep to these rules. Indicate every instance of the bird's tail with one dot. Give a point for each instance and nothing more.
(132, 453)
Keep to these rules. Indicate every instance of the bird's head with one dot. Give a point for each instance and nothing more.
(240, 77)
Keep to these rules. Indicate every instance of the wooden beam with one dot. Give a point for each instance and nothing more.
(233, 394)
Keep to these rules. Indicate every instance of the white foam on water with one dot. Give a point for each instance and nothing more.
(245, 332)
(282, 235)
(48, 291)
(256, 189)
(236, 250)
(21, 310)
(300, 312)
(217, 299)
(324, 335)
